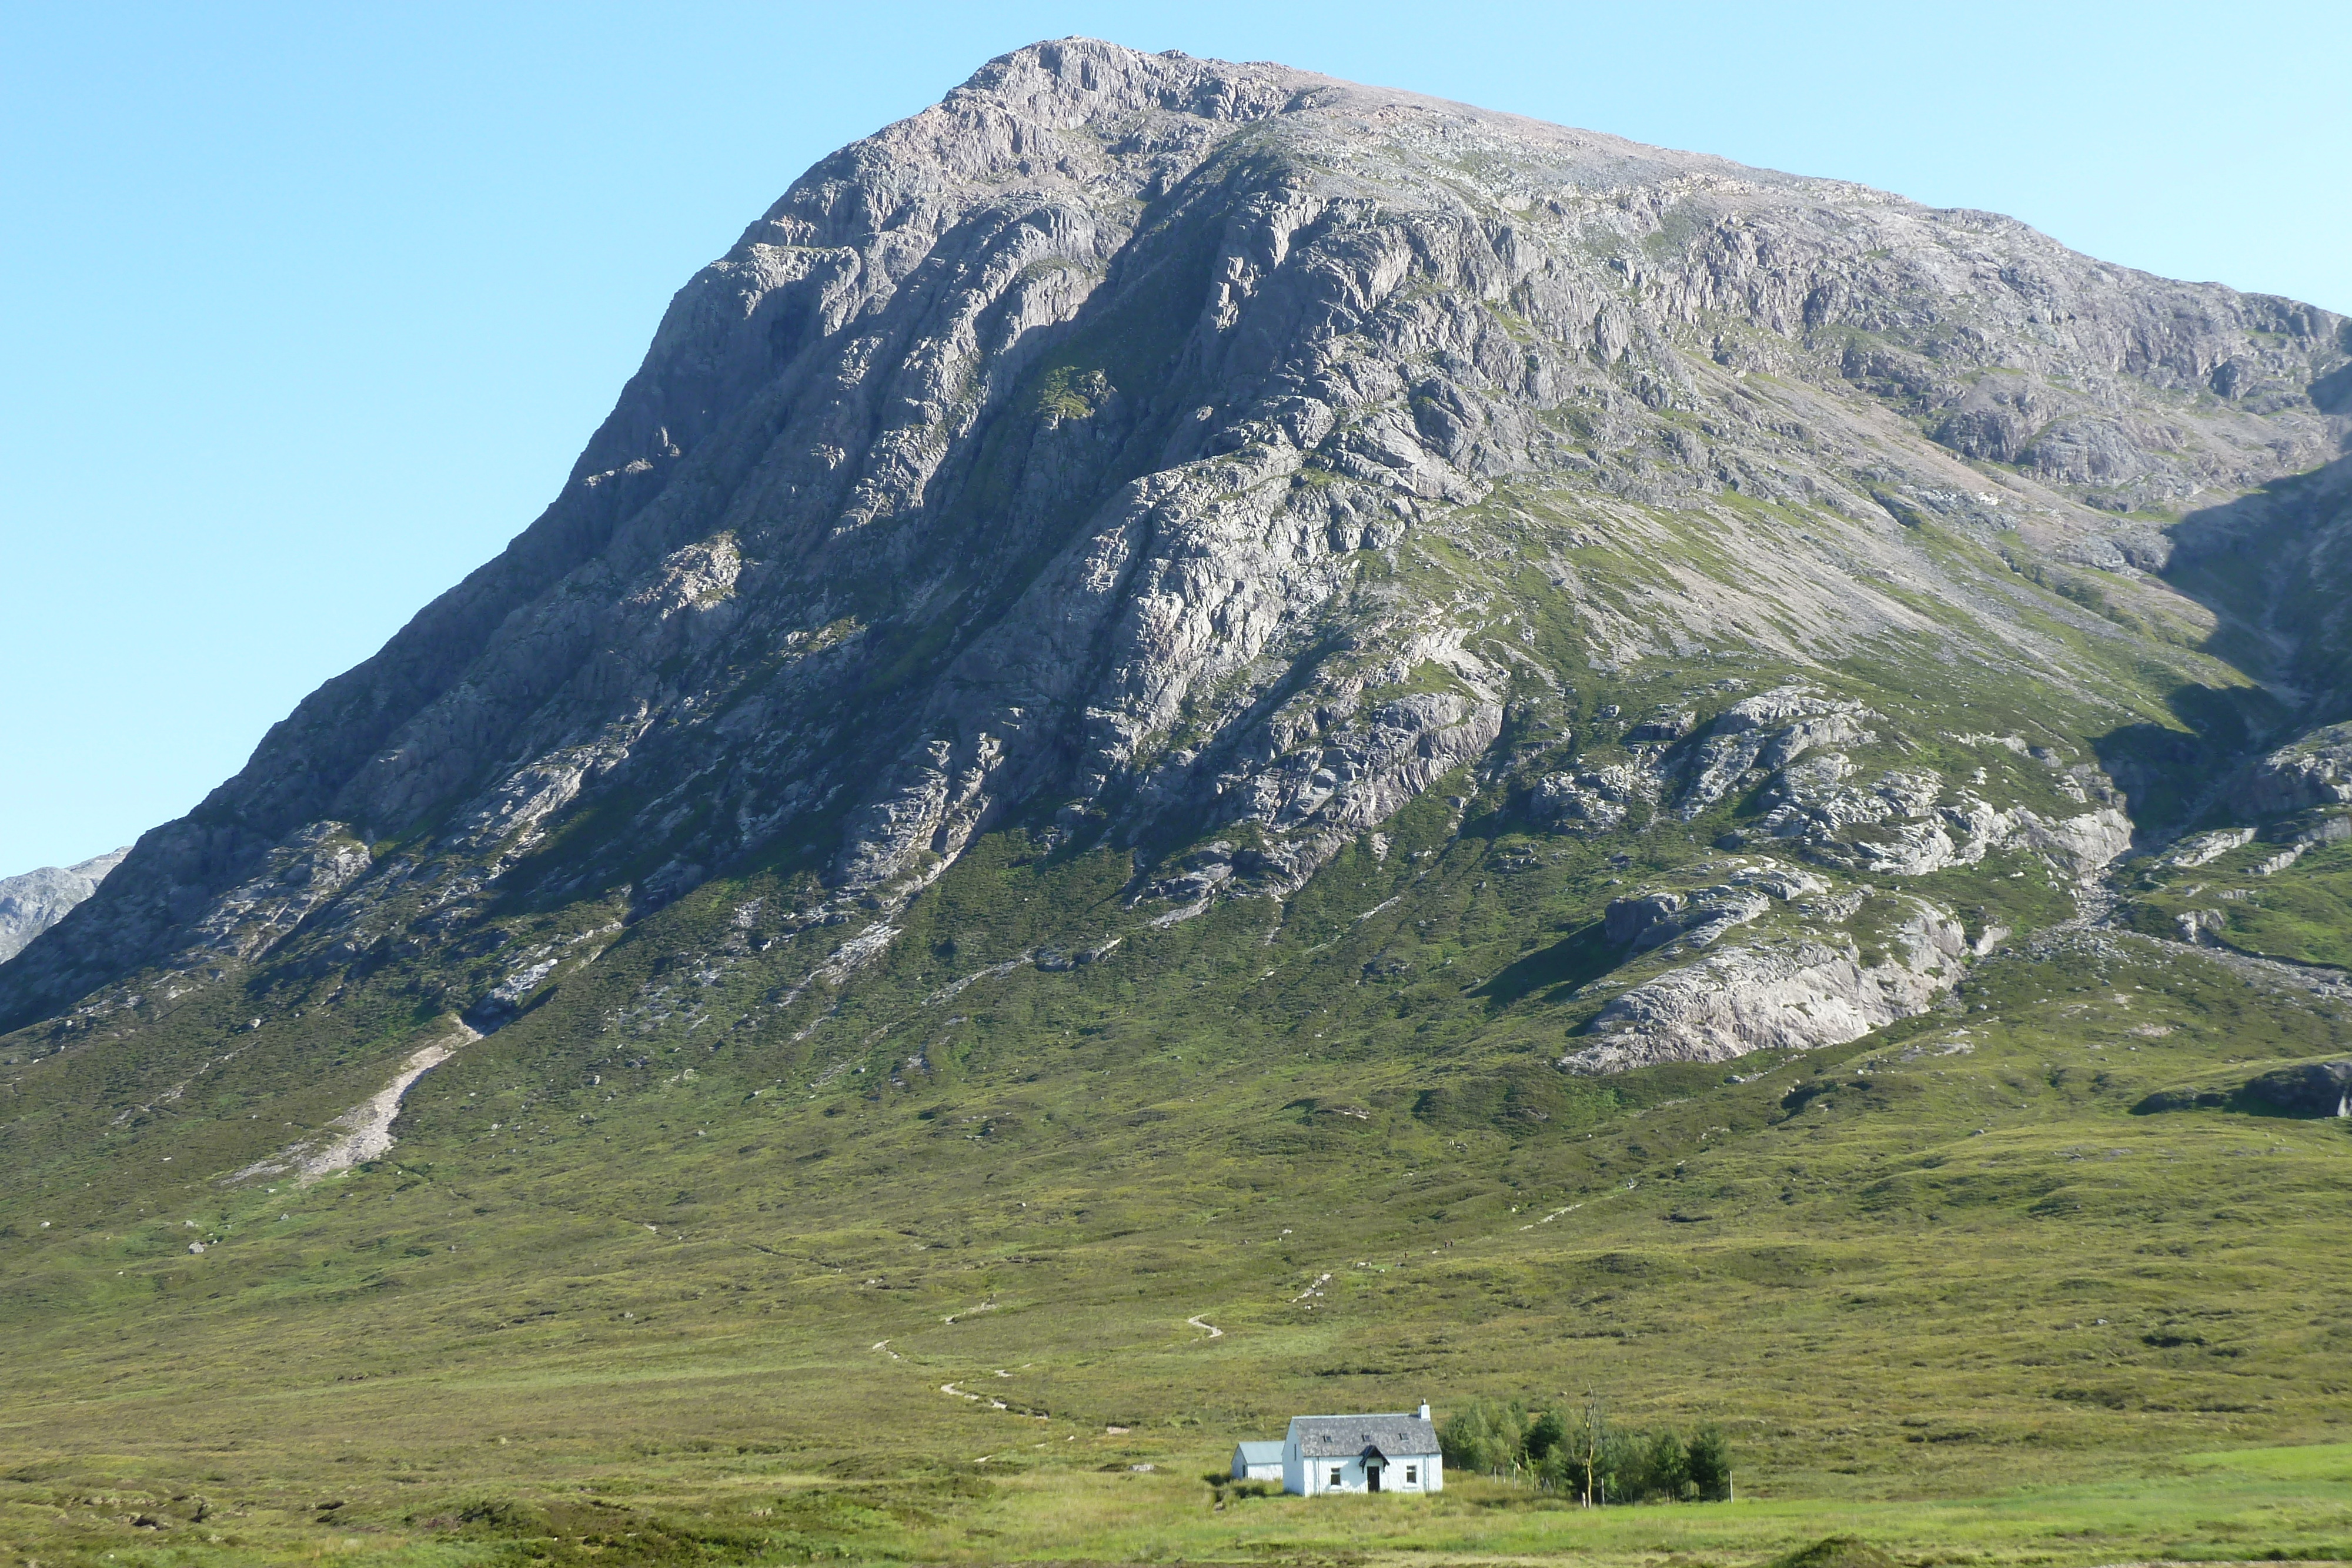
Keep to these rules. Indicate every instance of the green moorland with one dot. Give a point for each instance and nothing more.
(675, 1289)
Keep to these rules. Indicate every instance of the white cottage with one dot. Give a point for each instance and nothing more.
(1362, 1454)
(1257, 1461)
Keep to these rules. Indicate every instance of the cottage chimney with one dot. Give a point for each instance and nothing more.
(1425, 1409)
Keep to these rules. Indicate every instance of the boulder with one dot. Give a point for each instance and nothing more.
(2312, 1090)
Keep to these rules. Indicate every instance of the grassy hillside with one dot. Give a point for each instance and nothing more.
(646, 1256)
(2299, 911)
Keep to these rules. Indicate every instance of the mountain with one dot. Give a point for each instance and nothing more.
(1127, 435)
(32, 902)
(1176, 680)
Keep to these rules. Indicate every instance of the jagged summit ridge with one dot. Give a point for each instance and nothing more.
(1163, 447)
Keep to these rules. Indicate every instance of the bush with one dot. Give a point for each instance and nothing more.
(1836, 1551)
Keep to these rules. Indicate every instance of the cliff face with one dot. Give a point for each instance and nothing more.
(1211, 459)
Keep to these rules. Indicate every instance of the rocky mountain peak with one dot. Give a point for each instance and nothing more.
(1152, 452)
(1065, 83)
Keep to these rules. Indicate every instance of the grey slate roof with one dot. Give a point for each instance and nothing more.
(1345, 1436)
(1268, 1453)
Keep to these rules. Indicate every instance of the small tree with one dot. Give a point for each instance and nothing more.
(1463, 1438)
(1624, 1468)
(1586, 1446)
(1547, 1432)
(1579, 1451)
(1710, 1463)
(1668, 1463)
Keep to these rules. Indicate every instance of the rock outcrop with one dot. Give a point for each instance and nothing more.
(2202, 849)
(1595, 800)
(1766, 733)
(2312, 1090)
(1893, 826)
(2315, 770)
(2315, 1089)
(1649, 920)
(1791, 995)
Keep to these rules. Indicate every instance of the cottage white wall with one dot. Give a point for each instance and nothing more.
(1245, 1468)
(1312, 1478)
(1352, 1474)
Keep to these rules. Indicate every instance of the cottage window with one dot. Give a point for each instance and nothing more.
(1413, 1475)
(1335, 1475)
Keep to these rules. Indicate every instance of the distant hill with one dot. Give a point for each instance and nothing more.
(32, 902)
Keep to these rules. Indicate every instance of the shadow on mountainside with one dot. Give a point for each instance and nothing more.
(1581, 956)
(2168, 777)
(2274, 566)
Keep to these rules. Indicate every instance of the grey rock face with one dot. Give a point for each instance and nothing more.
(1767, 732)
(1894, 825)
(1666, 725)
(2202, 927)
(2280, 559)
(298, 876)
(2083, 845)
(1792, 995)
(2199, 849)
(1649, 920)
(1596, 799)
(2314, 771)
(1629, 920)
(32, 902)
(1110, 439)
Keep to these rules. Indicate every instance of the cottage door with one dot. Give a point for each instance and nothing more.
(1372, 1476)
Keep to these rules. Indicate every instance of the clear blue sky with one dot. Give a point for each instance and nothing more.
(308, 308)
